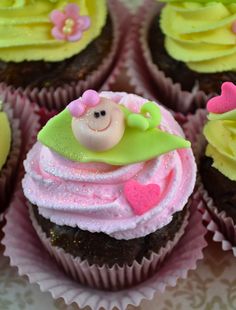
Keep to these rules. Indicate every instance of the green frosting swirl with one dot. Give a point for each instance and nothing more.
(25, 29)
(220, 132)
(200, 34)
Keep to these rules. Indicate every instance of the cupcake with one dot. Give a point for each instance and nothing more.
(108, 185)
(215, 151)
(53, 50)
(217, 168)
(189, 49)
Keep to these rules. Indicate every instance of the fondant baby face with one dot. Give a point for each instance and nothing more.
(101, 127)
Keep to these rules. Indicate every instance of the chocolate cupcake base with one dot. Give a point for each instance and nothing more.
(107, 276)
(100, 249)
(220, 188)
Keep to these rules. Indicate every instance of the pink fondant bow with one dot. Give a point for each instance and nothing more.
(90, 98)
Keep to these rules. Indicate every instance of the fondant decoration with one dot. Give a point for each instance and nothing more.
(5, 137)
(69, 25)
(101, 128)
(225, 102)
(149, 117)
(141, 198)
(99, 135)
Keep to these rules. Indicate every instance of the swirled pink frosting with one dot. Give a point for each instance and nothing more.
(91, 195)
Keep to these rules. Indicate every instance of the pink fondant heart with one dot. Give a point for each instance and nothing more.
(225, 102)
(141, 198)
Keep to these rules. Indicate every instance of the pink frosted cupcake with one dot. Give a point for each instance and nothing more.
(214, 141)
(54, 50)
(108, 183)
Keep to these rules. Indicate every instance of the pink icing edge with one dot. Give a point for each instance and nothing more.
(146, 225)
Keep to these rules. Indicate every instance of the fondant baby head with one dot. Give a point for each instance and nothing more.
(97, 123)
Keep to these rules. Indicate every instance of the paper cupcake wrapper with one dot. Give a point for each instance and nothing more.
(8, 172)
(104, 277)
(57, 98)
(222, 226)
(146, 78)
(218, 223)
(125, 16)
(45, 115)
(24, 123)
(30, 257)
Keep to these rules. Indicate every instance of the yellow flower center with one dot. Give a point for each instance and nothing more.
(69, 25)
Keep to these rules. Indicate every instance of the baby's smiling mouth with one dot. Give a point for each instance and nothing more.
(103, 129)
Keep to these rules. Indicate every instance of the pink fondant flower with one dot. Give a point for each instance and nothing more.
(69, 25)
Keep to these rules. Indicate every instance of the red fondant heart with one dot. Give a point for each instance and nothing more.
(141, 198)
